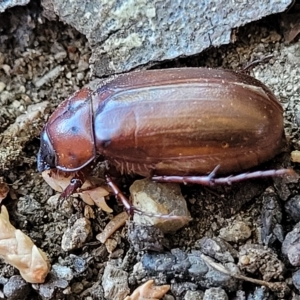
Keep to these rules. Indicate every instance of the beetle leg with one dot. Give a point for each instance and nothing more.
(254, 63)
(119, 195)
(210, 180)
(75, 184)
(132, 209)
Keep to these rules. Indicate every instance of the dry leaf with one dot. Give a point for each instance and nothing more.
(149, 291)
(90, 195)
(17, 249)
(113, 225)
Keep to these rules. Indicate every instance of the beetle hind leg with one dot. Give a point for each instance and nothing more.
(210, 179)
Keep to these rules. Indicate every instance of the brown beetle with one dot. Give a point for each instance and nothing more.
(168, 122)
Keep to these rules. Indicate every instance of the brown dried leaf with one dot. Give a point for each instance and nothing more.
(149, 291)
(113, 225)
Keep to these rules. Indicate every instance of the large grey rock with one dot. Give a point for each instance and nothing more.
(128, 34)
(11, 3)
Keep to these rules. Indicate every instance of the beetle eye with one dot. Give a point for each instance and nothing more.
(46, 155)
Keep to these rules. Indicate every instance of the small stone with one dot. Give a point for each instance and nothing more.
(115, 283)
(295, 156)
(291, 246)
(296, 280)
(260, 293)
(79, 264)
(6, 69)
(271, 216)
(76, 235)
(215, 294)
(2, 86)
(69, 75)
(217, 249)
(292, 207)
(62, 272)
(77, 287)
(52, 288)
(16, 104)
(83, 65)
(236, 232)
(257, 258)
(16, 288)
(143, 237)
(60, 56)
(159, 199)
(193, 295)
(80, 76)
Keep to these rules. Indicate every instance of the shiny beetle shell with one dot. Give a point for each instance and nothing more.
(167, 122)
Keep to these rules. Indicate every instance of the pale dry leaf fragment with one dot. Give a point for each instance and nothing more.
(149, 291)
(17, 249)
(90, 195)
(295, 156)
(113, 225)
(96, 195)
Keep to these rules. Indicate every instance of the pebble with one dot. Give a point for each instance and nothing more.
(143, 237)
(193, 295)
(255, 258)
(291, 246)
(83, 65)
(2, 86)
(161, 199)
(62, 272)
(16, 288)
(115, 283)
(76, 235)
(296, 280)
(292, 208)
(215, 294)
(179, 289)
(237, 232)
(79, 264)
(77, 287)
(217, 249)
(295, 155)
(80, 76)
(52, 288)
(178, 264)
(271, 217)
(260, 293)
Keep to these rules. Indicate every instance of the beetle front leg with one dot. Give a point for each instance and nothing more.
(132, 209)
(75, 184)
(210, 180)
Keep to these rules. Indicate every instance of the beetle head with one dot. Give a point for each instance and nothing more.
(67, 140)
(46, 155)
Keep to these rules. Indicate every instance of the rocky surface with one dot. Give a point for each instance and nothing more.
(130, 34)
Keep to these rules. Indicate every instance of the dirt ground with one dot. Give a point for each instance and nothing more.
(41, 64)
